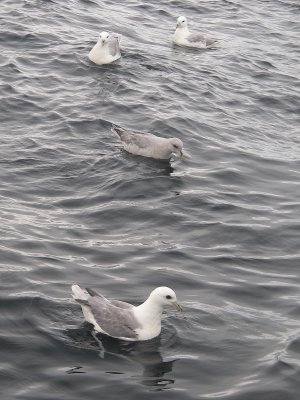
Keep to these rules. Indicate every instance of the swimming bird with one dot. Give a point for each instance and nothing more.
(183, 37)
(149, 145)
(123, 320)
(107, 49)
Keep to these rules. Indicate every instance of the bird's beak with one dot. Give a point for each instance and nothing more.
(178, 307)
(181, 155)
(177, 25)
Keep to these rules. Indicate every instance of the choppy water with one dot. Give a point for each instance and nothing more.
(221, 227)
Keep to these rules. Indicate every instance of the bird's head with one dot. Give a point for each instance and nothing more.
(164, 296)
(103, 37)
(181, 22)
(176, 147)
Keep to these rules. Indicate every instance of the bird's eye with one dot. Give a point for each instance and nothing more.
(175, 145)
(168, 297)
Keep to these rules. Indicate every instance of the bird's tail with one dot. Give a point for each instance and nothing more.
(211, 42)
(118, 130)
(79, 294)
(116, 36)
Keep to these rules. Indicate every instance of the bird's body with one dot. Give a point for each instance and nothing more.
(106, 50)
(183, 37)
(123, 320)
(148, 145)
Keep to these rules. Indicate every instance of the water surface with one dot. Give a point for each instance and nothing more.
(221, 227)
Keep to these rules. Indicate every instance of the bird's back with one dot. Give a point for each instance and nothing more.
(114, 45)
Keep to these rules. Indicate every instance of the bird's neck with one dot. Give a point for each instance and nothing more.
(150, 311)
(182, 31)
(100, 43)
(184, 28)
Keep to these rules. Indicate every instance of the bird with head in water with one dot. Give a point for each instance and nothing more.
(148, 145)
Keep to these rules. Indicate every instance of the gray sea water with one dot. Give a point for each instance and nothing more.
(220, 227)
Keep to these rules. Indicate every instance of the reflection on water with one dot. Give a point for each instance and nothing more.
(147, 354)
(149, 166)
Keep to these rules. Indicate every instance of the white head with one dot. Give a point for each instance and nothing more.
(103, 38)
(181, 22)
(164, 296)
(176, 146)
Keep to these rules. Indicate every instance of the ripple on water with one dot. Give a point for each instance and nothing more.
(220, 227)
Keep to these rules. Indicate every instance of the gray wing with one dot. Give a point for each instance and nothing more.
(93, 292)
(117, 303)
(141, 140)
(113, 44)
(121, 304)
(133, 138)
(115, 321)
(196, 37)
(211, 41)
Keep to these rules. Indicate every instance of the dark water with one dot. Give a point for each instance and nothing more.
(221, 227)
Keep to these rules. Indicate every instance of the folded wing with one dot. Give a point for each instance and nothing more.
(114, 317)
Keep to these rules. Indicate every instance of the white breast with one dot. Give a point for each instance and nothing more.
(150, 321)
(100, 55)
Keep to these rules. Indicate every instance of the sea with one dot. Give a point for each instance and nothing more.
(221, 227)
